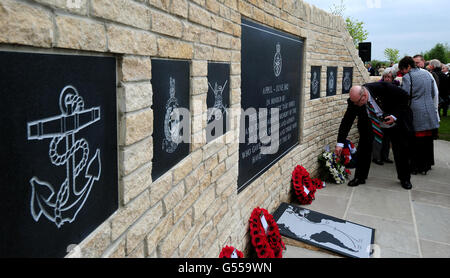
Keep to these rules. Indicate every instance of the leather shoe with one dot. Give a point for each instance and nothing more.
(406, 184)
(356, 182)
(387, 160)
(379, 162)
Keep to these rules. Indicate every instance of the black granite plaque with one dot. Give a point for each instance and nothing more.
(325, 231)
(171, 120)
(217, 100)
(347, 80)
(331, 81)
(315, 81)
(58, 149)
(271, 74)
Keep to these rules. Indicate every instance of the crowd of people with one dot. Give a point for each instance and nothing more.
(403, 114)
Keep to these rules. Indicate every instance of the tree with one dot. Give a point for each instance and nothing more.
(439, 51)
(354, 27)
(392, 54)
(338, 9)
(356, 30)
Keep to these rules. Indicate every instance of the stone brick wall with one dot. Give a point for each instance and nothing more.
(193, 210)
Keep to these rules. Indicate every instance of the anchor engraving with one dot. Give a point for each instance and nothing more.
(63, 205)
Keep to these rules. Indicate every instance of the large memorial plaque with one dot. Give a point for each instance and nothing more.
(347, 80)
(271, 74)
(217, 100)
(171, 127)
(331, 81)
(58, 149)
(315, 81)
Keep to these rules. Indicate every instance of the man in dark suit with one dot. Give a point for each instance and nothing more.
(390, 104)
(370, 70)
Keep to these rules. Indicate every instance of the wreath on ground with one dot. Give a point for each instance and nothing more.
(331, 168)
(304, 186)
(230, 252)
(265, 234)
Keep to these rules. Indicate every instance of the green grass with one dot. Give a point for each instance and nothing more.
(444, 129)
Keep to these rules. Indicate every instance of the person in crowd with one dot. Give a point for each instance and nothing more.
(419, 86)
(420, 61)
(381, 108)
(370, 69)
(445, 69)
(381, 152)
(443, 85)
(445, 95)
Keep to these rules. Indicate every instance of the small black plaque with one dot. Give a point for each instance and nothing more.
(218, 100)
(171, 127)
(331, 81)
(58, 150)
(315, 81)
(347, 80)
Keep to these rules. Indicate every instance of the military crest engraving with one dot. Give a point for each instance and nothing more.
(277, 61)
(315, 82)
(171, 121)
(218, 101)
(347, 80)
(331, 81)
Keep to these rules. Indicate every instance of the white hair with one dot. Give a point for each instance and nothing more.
(435, 63)
(391, 70)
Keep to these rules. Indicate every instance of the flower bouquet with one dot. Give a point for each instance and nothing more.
(265, 235)
(332, 168)
(348, 154)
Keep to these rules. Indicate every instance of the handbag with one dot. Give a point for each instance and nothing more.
(409, 115)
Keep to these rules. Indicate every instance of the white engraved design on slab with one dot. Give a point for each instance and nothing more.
(277, 61)
(347, 237)
(347, 81)
(331, 82)
(172, 123)
(315, 84)
(218, 101)
(63, 205)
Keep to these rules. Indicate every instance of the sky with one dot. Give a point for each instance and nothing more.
(411, 26)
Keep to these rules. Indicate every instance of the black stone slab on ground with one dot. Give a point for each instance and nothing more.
(324, 231)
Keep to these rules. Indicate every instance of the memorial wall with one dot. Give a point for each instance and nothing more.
(153, 128)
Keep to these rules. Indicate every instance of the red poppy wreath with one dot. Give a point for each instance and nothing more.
(265, 234)
(305, 187)
(230, 252)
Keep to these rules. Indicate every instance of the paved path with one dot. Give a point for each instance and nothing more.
(409, 223)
